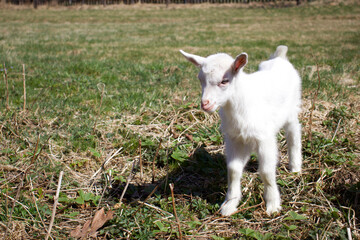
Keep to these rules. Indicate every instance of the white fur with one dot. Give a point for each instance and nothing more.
(253, 109)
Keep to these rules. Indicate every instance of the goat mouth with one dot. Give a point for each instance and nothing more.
(208, 108)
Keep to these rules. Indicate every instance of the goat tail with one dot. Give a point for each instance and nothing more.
(281, 51)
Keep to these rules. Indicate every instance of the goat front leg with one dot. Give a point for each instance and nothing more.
(237, 157)
(268, 156)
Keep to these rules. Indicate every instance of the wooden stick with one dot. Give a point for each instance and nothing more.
(176, 217)
(153, 163)
(127, 184)
(56, 199)
(24, 84)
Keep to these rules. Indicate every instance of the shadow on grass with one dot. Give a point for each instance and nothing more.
(202, 175)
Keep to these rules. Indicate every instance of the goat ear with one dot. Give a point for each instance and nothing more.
(240, 62)
(196, 60)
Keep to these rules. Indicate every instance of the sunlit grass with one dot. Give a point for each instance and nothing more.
(151, 93)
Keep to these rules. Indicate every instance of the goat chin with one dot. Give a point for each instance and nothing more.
(254, 107)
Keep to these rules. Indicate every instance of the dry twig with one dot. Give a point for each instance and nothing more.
(126, 186)
(156, 208)
(173, 202)
(55, 205)
(337, 128)
(142, 203)
(104, 163)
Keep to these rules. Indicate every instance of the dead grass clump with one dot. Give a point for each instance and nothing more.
(16, 231)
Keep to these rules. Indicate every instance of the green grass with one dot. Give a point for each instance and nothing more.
(151, 93)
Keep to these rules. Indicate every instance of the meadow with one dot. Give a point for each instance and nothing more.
(111, 119)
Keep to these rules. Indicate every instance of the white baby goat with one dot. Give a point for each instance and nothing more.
(253, 109)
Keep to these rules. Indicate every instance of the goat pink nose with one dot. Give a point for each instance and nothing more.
(205, 102)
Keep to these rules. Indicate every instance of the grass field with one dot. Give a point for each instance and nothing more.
(112, 105)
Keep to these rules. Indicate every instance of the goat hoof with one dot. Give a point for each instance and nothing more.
(295, 166)
(229, 207)
(272, 209)
(295, 169)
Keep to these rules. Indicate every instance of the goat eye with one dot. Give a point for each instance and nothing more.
(224, 81)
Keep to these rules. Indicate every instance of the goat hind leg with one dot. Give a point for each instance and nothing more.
(267, 169)
(293, 139)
